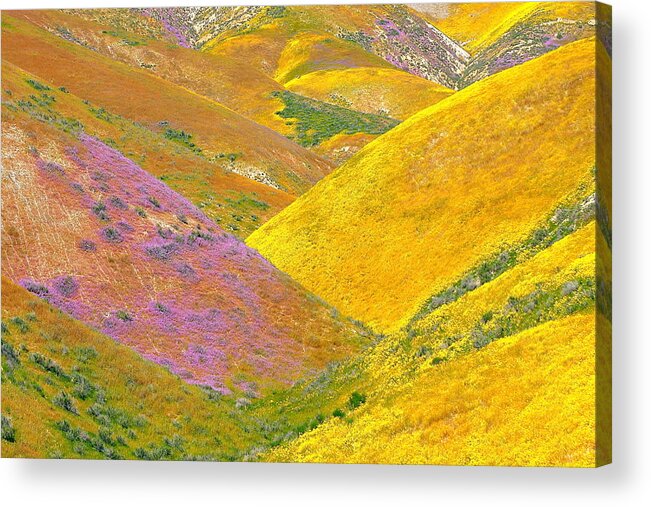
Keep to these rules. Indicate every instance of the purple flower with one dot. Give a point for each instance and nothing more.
(112, 235)
(86, 245)
(65, 286)
(36, 288)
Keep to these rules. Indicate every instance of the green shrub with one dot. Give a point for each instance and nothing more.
(85, 354)
(112, 235)
(356, 399)
(183, 138)
(153, 452)
(37, 86)
(47, 364)
(176, 442)
(83, 388)
(154, 202)
(124, 316)
(64, 401)
(8, 430)
(424, 351)
(99, 209)
(318, 420)
(20, 324)
(318, 121)
(10, 355)
(71, 433)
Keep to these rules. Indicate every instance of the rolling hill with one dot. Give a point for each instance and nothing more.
(113, 34)
(389, 92)
(153, 102)
(71, 392)
(265, 36)
(346, 234)
(222, 79)
(100, 238)
(443, 191)
(450, 44)
(501, 35)
(237, 203)
(460, 412)
(444, 378)
(308, 52)
(471, 24)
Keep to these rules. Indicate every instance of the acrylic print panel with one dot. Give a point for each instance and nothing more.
(342, 234)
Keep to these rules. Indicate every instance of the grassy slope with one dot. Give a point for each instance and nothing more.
(225, 80)
(435, 383)
(395, 33)
(501, 35)
(447, 188)
(301, 39)
(237, 203)
(498, 406)
(300, 47)
(316, 121)
(259, 49)
(310, 52)
(274, 160)
(297, 42)
(307, 53)
(525, 32)
(536, 12)
(341, 147)
(238, 87)
(103, 239)
(408, 424)
(470, 24)
(136, 404)
(412, 398)
(392, 92)
(277, 50)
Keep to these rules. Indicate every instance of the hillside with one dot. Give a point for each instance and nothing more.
(308, 52)
(443, 191)
(71, 392)
(325, 37)
(222, 79)
(445, 376)
(237, 203)
(389, 92)
(153, 102)
(115, 33)
(460, 412)
(329, 233)
(525, 32)
(471, 24)
(503, 34)
(450, 44)
(106, 242)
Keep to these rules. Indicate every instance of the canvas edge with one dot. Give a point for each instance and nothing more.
(603, 180)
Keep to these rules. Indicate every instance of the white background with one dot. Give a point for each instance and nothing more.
(627, 482)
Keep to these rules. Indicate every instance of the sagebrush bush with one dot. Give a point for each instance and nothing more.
(64, 400)
(8, 430)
